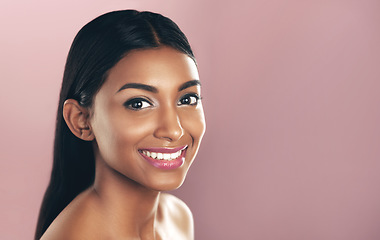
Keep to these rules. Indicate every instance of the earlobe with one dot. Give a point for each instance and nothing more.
(77, 119)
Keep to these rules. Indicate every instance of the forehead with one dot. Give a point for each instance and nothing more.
(159, 67)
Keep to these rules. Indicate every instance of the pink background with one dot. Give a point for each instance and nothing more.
(291, 94)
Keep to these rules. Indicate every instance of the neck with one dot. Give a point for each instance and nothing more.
(127, 206)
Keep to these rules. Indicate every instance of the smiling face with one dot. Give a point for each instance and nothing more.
(148, 119)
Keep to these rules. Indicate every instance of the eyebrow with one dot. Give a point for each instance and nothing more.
(139, 86)
(155, 90)
(189, 84)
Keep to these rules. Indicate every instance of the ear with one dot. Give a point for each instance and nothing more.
(77, 119)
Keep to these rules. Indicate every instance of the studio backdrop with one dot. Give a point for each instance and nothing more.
(291, 96)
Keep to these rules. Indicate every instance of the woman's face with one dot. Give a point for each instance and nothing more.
(148, 119)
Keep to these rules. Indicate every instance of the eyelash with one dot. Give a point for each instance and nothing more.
(143, 103)
(187, 96)
(129, 103)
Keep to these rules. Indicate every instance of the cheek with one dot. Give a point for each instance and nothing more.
(118, 134)
(194, 123)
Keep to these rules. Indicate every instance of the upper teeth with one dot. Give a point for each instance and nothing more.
(162, 156)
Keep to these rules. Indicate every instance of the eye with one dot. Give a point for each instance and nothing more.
(189, 99)
(137, 104)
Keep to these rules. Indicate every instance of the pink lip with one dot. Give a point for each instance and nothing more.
(164, 150)
(166, 164)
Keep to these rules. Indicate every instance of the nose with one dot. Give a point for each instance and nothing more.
(169, 126)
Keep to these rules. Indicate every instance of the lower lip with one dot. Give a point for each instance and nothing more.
(166, 164)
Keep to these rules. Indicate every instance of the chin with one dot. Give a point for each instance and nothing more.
(166, 183)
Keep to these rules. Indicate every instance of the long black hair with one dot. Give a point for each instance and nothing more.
(97, 47)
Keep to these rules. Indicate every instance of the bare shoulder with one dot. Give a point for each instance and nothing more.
(177, 213)
(76, 221)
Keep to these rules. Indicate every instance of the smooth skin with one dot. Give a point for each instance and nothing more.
(125, 201)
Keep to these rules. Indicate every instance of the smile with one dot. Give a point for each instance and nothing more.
(165, 158)
(162, 156)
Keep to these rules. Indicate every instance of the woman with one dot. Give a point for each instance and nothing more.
(129, 125)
